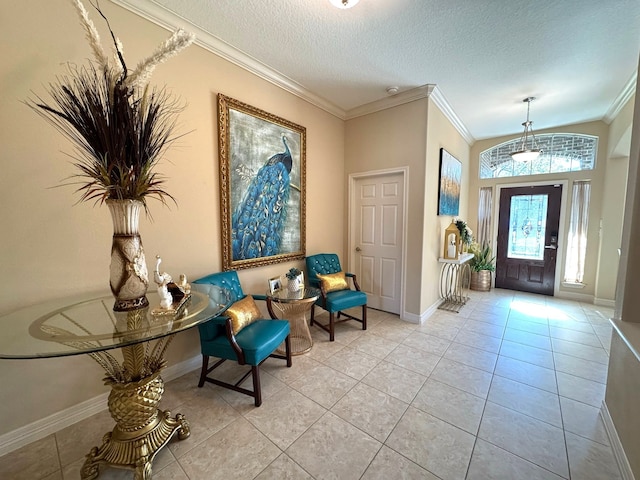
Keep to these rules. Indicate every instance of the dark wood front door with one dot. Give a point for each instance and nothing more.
(527, 244)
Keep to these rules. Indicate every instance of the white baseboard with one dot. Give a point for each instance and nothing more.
(53, 423)
(604, 302)
(578, 297)
(420, 319)
(616, 444)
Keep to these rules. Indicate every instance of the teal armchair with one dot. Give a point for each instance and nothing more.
(251, 345)
(335, 302)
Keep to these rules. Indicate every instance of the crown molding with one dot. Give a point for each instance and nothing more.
(627, 92)
(392, 101)
(445, 107)
(149, 10)
(426, 91)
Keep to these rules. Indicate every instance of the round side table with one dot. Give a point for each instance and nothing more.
(293, 306)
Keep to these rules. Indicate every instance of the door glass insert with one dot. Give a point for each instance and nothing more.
(528, 220)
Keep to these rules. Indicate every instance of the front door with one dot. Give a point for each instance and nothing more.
(527, 243)
(377, 239)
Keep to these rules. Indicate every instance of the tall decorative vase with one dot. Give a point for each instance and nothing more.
(128, 277)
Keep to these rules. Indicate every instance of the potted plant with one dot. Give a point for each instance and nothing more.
(295, 280)
(482, 264)
(120, 128)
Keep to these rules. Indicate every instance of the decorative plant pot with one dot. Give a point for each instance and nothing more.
(295, 284)
(128, 277)
(481, 281)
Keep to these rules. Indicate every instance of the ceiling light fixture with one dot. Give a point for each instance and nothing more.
(525, 153)
(344, 3)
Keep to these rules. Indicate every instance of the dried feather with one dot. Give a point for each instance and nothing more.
(172, 46)
(91, 33)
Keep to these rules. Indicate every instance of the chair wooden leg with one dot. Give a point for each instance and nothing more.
(287, 347)
(331, 326)
(255, 372)
(313, 313)
(203, 372)
(364, 317)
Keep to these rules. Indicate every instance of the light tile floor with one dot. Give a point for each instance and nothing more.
(509, 388)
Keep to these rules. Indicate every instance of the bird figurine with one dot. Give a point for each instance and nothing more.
(163, 279)
(258, 221)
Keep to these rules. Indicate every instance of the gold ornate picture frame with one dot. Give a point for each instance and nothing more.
(262, 186)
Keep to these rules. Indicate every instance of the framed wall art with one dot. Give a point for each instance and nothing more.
(262, 186)
(450, 182)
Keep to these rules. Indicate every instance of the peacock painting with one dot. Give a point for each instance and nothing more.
(257, 224)
(262, 173)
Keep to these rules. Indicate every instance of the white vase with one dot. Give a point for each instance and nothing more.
(128, 275)
(294, 285)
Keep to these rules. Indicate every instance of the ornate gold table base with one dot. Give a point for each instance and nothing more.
(141, 431)
(136, 390)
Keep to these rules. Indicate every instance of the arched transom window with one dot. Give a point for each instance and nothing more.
(561, 152)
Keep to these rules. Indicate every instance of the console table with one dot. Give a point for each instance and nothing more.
(455, 277)
(90, 326)
(294, 307)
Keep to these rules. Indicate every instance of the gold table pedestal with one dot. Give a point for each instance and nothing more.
(301, 341)
(294, 306)
(141, 430)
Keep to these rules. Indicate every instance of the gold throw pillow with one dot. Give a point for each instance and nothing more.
(333, 281)
(242, 313)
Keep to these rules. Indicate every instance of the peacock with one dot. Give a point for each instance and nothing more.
(258, 221)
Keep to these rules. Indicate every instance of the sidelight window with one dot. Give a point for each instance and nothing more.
(577, 238)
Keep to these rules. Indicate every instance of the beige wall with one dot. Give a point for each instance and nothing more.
(440, 134)
(410, 135)
(597, 177)
(623, 384)
(52, 248)
(391, 138)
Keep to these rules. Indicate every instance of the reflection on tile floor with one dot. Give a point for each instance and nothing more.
(509, 388)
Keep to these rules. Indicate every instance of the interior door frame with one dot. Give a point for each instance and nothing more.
(562, 228)
(351, 244)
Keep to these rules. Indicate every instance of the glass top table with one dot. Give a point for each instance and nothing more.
(88, 325)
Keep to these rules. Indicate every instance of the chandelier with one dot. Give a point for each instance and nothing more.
(344, 3)
(525, 151)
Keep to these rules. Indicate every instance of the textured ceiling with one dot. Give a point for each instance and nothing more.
(578, 57)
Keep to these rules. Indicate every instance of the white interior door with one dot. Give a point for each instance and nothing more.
(377, 238)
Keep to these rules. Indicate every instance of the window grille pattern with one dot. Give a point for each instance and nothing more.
(561, 152)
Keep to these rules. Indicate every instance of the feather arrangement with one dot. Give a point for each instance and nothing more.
(120, 127)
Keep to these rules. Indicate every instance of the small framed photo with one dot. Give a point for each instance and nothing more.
(275, 284)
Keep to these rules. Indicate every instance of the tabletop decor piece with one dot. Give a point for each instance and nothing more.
(174, 297)
(466, 235)
(451, 242)
(262, 186)
(295, 280)
(120, 129)
(275, 284)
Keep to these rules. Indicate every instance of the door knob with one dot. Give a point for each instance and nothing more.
(553, 247)
(358, 249)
